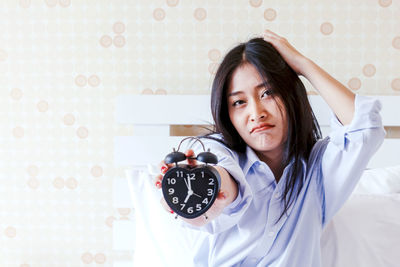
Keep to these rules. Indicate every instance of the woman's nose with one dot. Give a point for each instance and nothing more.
(257, 112)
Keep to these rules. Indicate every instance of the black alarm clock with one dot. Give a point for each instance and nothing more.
(190, 191)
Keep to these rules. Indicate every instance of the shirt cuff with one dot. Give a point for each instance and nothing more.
(366, 116)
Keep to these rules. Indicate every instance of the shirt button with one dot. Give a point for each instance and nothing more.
(276, 195)
(260, 167)
(270, 233)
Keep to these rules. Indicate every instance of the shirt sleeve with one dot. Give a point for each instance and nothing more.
(228, 160)
(348, 153)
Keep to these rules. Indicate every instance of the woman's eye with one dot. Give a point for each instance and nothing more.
(266, 93)
(237, 103)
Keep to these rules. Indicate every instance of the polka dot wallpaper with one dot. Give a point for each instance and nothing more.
(63, 62)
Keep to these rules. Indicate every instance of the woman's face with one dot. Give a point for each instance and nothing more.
(259, 118)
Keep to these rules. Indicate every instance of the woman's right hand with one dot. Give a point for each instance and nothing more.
(227, 193)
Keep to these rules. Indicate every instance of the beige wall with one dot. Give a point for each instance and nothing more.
(63, 62)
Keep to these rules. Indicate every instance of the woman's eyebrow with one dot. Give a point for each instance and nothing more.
(262, 85)
(235, 93)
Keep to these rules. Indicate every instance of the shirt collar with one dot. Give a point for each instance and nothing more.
(251, 159)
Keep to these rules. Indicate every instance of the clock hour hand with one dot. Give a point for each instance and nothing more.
(187, 198)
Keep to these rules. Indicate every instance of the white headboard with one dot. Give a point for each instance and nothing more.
(152, 117)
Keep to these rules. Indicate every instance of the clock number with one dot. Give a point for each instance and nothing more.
(198, 207)
(175, 200)
(190, 210)
(191, 176)
(209, 192)
(171, 191)
(171, 180)
(205, 201)
(182, 206)
(211, 181)
(202, 174)
(179, 174)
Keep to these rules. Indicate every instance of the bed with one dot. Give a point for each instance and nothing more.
(365, 232)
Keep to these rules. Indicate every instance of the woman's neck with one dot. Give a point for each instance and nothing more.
(274, 160)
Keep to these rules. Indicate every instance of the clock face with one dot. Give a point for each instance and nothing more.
(190, 192)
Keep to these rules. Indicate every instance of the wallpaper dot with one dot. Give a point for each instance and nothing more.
(24, 265)
(270, 14)
(51, 3)
(118, 27)
(82, 132)
(147, 91)
(33, 183)
(354, 83)
(255, 3)
(326, 28)
(200, 14)
(94, 80)
(3, 55)
(97, 171)
(159, 14)
(58, 183)
(10, 232)
(100, 258)
(69, 119)
(65, 3)
(172, 3)
(32, 170)
(214, 54)
(25, 3)
(80, 80)
(124, 211)
(87, 258)
(212, 68)
(369, 70)
(71, 183)
(119, 40)
(396, 42)
(161, 92)
(42, 106)
(396, 84)
(18, 132)
(16, 94)
(110, 220)
(385, 3)
(105, 41)
(124, 218)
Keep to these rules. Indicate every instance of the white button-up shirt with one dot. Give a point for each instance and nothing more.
(248, 232)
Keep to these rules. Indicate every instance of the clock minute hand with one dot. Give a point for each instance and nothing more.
(189, 185)
(186, 184)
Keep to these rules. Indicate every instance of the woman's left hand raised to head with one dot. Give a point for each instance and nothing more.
(338, 97)
(292, 57)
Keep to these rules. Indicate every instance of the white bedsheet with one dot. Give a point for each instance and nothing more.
(365, 232)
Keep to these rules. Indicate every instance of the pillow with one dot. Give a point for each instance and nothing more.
(160, 238)
(379, 181)
(365, 232)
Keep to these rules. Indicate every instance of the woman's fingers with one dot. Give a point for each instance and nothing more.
(191, 158)
(158, 180)
(163, 169)
(292, 57)
(165, 205)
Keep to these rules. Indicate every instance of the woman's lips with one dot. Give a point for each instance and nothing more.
(261, 127)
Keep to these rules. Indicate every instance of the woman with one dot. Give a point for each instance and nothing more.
(281, 184)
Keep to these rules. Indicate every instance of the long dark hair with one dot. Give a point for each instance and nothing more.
(303, 128)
